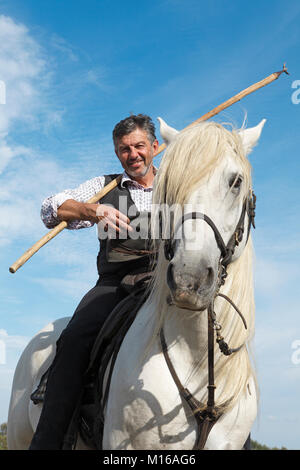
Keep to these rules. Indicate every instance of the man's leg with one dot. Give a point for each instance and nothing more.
(65, 380)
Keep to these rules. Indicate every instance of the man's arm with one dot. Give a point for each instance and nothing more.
(78, 213)
(110, 217)
(73, 210)
(70, 207)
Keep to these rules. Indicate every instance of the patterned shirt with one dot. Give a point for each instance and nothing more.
(141, 196)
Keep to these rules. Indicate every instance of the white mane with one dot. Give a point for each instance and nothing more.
(192, 155)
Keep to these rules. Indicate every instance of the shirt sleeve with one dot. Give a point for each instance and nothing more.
(81, 194)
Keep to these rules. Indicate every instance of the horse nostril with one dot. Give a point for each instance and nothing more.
(210, 276)
(205, 279)
(170, 277)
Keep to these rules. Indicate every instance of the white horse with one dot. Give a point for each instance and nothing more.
(204, 169)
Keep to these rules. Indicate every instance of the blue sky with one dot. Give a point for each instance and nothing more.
(74, 69)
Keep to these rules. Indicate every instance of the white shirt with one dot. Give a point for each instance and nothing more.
(141, 196)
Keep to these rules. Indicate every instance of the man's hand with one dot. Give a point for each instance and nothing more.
(108, 216)
(112, 219)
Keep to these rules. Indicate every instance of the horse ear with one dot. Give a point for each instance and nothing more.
(168, 133)
(251, 136)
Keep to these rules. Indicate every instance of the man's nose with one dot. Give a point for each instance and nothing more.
(133, 152)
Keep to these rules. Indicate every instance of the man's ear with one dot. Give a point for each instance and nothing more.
(155, 145)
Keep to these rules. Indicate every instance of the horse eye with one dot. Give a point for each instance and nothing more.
(235, 182)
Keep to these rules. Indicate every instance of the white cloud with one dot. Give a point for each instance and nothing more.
(97, 77)
(28, 176)
(20, 202)
(11, 348)
(7, 153)
(64, 47)
(23, 70)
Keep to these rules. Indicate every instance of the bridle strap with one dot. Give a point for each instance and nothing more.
(227, 251)
(223, 346)
(206, 416)
(200, 215)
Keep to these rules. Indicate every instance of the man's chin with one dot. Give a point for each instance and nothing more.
(138, 173)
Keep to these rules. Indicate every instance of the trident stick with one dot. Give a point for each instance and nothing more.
(110, 186)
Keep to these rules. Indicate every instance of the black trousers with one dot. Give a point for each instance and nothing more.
(65, 381)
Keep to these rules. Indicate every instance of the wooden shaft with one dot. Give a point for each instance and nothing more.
(234, 99)
(59, 228)
(240, 95)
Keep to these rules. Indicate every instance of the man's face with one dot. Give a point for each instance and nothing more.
(136, 152)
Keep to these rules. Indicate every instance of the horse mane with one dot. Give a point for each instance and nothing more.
(192, 156)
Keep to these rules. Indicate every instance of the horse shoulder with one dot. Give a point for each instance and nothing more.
(232, 429)
(143, 398)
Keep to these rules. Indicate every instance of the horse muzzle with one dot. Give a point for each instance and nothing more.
(192, 291)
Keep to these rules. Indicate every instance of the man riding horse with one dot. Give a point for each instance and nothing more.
(135, 145)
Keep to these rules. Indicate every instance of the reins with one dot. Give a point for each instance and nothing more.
(207, 415)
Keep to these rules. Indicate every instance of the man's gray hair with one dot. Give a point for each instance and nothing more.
(133, 122)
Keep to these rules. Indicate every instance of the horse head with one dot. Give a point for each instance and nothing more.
(206, 176)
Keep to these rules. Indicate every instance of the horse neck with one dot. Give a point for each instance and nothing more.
(186, 330)
(186, 338)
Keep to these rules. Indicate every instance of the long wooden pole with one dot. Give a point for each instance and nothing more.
(60, 227)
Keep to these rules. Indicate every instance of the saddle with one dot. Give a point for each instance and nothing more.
(88, 417)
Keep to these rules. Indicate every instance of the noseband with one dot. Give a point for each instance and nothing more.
(237, 236)
(207, 415)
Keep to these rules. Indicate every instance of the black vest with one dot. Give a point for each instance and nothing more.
(120, 198)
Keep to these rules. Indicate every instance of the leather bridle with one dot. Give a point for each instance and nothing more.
(237, 236)
(207, 415)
